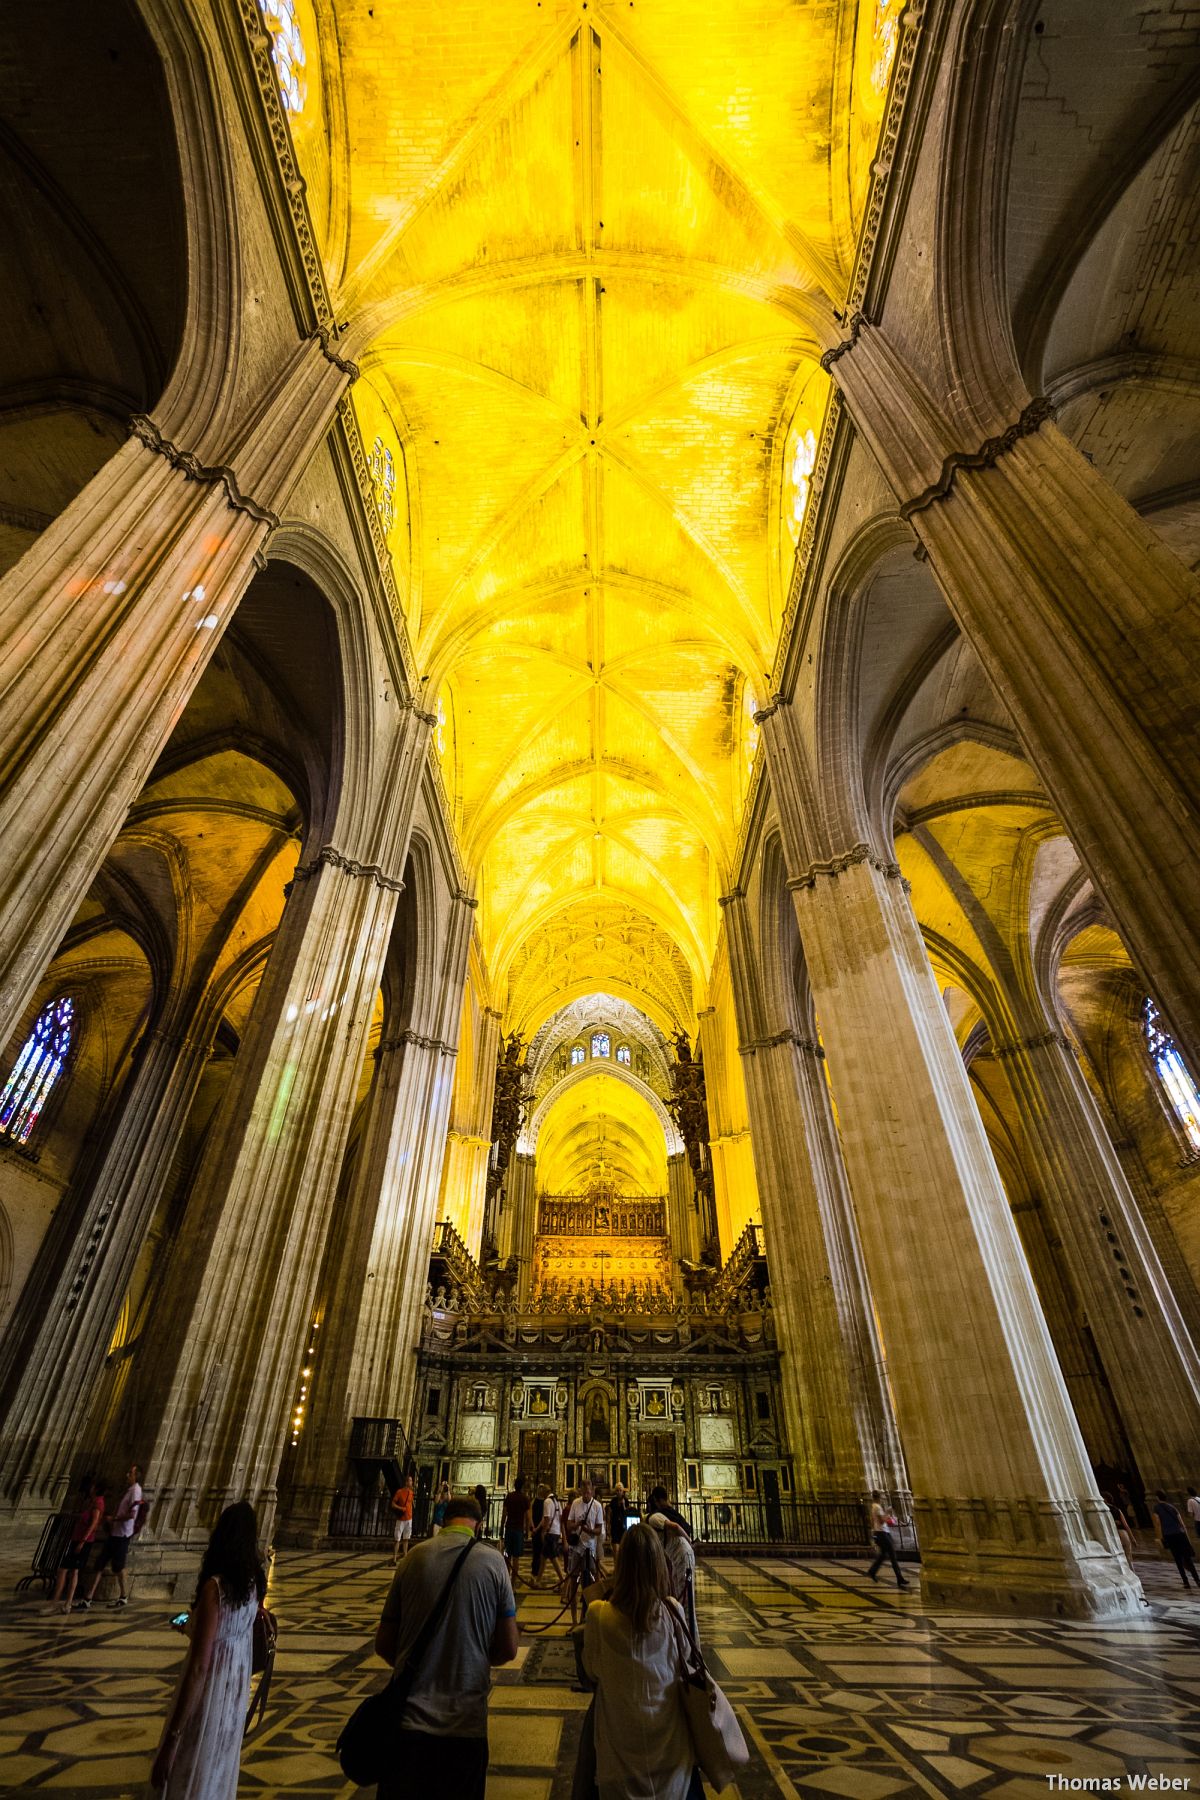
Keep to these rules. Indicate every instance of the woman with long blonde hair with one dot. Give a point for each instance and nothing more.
(631, 1651)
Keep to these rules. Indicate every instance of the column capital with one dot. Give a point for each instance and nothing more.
(1029, 420)
(806, 1046)
(1005, 1048)
(144, 429)
(837, 865)
(326, 339)
(329, 857)
(416, 1041)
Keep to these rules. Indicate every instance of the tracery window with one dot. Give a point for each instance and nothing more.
(887, 36)
(287, 52)
(382, 470)
(801, 462)
(577, 1055)
(1177, 1083)
(601, 1044)
(36, 1070)
(624, 1055)
(439, 730)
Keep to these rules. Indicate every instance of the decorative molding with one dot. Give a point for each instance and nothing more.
(383, 556)
(142, 427)
(768, 712)
(326, 339)
(469, 900)
(1020, 1046)
(258, 45)
(1031, 420)
(912, 21)
(736, 893)
(839, 350)
(837, 865)
(331, 858)
(414, 1040)
(806, 1046)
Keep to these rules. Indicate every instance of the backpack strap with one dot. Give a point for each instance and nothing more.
(403, 1679)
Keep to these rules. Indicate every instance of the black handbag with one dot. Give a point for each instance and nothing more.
(369, 1736)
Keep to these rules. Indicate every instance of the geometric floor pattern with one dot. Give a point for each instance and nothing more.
(844, 1689)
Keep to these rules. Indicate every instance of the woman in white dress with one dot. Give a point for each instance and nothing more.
(631, 1651)
(201, 1745)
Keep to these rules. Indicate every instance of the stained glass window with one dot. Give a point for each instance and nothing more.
(439, 730)
(36, 1070)
(1173, 1073)
(382, 469)
(624, 1054)
(887, 36)
(287, 51)
(801, 461)
(577, 1054)
(601, 1044)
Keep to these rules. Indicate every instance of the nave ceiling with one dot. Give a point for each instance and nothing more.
(583, 268)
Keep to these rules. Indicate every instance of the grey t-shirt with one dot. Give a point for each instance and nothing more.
(449, 1694)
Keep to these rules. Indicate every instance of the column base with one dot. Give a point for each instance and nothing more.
(1026, 1557)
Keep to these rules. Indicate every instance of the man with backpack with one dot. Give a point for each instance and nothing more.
(125, 1523)
(441, 1745)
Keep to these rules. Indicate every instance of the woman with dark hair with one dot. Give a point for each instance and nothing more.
(88, 1518)
(200, 1749)
(631, 1651)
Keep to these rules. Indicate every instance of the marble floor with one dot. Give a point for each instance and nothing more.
(844, 1689)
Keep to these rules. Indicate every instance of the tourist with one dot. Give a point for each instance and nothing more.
(585, 1538)
(114, 1551)
(537, 1541)
(439, 1508)
(516, 1524)
(617, 1514)
(442, 1745)
(1171, 1533)
(882, 1521)
(659, 1503)
(552, 1525)
(1193, 1509)
(86, 1525)
(1121, 1526)
(681, 1566)
(402, 1509)
(200, 1749)
(482, 1502)
(631, 1651)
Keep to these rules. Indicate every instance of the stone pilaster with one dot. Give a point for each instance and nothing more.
(1088, 626)
(840, 1423)
(67, 1314)
(521, 1210)
(1147, 1352)
(106, 625)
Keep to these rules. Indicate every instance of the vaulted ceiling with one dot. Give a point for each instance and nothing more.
(586, 247)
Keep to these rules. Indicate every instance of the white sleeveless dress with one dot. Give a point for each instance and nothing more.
(210, 1749)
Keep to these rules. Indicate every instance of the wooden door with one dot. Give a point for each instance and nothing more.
(538, 1461)
(656, 1462)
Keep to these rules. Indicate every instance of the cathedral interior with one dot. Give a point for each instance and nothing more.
(599, 779)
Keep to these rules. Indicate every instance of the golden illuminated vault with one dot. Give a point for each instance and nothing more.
(586, 249)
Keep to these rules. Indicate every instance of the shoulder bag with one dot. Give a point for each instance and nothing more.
(717, 1740)
(262, 1663)
(368, 1739)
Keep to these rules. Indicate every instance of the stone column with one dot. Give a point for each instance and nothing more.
(839, 1410)
(106, 625)
(238, 1307)
(1147, 1352)
(1088, 626)
(408, 1159)
(67, 1314)
(681, 1210)
(377, 1266)
(522, 1213)
(1006, 1509)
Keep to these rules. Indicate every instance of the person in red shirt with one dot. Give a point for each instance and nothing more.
(402, 1505)
(79, 1546)
(518, 1520)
